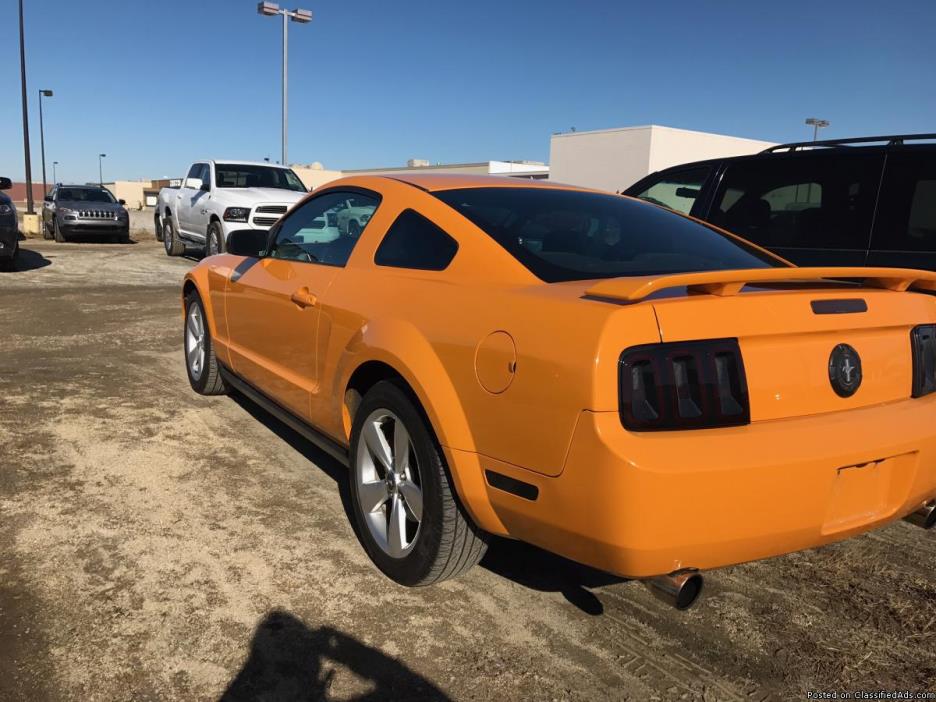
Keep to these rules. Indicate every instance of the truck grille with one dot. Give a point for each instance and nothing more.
(271, 209)
(265, 221)
(95, 214)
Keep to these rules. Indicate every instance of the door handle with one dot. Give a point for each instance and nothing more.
(303, 298)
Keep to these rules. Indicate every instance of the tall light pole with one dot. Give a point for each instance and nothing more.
(43, 93)
(54, 179)
(816, 124)
(29, 194)
(100, 169)
(271, 9)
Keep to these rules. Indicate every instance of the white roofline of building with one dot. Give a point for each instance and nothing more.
(654, 126)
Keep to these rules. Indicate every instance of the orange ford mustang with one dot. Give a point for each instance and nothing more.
(601, 377)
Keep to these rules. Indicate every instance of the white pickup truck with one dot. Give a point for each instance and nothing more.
(217, 197)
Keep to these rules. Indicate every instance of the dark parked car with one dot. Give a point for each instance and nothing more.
(84, 210)
(847, 202)
(9, 231)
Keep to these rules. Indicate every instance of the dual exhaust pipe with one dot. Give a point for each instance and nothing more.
(924, 517)
(679, 589)
(682, 588)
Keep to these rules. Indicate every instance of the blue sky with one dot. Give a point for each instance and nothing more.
(158, 84)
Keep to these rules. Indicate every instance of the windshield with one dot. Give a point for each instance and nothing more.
(242, 175)
(84, 195)
(574, 235)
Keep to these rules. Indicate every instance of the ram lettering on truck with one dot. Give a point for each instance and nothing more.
(217, 197)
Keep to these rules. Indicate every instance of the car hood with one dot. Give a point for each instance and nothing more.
(85, 205)
(255, 196)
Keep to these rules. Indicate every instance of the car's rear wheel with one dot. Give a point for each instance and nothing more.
(408, 516)
(57, 232)
(201, 364)
(215, 240)
(157, 226)
(174, 245)
(46, 230)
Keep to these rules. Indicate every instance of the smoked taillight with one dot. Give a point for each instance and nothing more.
(923, 346)
(683, 385)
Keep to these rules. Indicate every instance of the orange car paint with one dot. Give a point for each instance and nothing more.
(520, 377)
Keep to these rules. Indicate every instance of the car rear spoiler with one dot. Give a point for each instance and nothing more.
(729, 282)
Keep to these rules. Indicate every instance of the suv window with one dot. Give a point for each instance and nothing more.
(578, 235)
(414, 242)
(677, 190)
(906, 217)
(801, 201)
(311, 233)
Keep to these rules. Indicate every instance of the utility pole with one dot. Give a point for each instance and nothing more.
(271, 9)
(29, 193)
(43, 93)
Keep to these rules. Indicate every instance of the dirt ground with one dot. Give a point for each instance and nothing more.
(158, 545)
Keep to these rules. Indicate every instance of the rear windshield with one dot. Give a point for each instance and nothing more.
(84, 195)
(572, 235)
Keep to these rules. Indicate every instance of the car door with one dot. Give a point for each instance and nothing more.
(186, 199)
(273, 303)
(48, 209)
(812, 208)
(905, 226)
(198, 204)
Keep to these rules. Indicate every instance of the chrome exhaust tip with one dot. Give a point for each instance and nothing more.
(680, 589)
(925, 516)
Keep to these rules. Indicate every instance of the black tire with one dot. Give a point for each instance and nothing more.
(214, 241)
(124, 237)
(209, 381)
(157, 226)
(57, 232)
(447, 542)
(174, 245)
(47, 230)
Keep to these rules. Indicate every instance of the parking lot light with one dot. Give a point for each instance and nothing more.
(101, 169)
(29, 192)
(54, 178)
(42, 94)
(817, 124)
(269, 9)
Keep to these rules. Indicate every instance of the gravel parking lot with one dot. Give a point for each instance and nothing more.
(158, 545)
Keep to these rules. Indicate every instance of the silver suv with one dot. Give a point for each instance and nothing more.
(81, 210)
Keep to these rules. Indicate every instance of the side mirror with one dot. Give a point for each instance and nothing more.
(121, 202)
(247, 242)
(193, 183)
(48, 198)
(5, 184)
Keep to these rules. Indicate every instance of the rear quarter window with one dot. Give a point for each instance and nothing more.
(412, 241)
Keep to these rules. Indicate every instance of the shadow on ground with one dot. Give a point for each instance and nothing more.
(28, 260)
(290, 662)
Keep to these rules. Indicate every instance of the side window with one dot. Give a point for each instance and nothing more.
(800, 202)
(412, 241)
(325, 229)
(194, 171)
(677, 190)
(906, 217)
(205, 174)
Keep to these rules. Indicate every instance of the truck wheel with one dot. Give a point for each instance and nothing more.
(46, 230)
(214, 243)
(201, 364)
(408, 517)
(57, 232)
(157, 226)
(174, 246)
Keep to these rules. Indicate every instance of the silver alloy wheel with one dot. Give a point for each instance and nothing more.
(213, 243)
(388, 483)
(195, 341)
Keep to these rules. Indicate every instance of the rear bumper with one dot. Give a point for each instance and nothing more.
(647, 504)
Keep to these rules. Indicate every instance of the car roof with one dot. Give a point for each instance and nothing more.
(80, 187)
(434, 182)
(237, 162)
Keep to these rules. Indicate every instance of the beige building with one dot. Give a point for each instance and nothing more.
(131, 191)
(614, 159)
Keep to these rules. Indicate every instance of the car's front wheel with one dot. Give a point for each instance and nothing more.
(215, 240)
(57, 232)
(46, 230)
(174, 245)
(201, 364)
(406, 510)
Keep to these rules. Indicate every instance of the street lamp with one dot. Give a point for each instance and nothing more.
(54, 179)
(816, 124)
(270, 9)
(29, 193)
(100, 169)
(42, 94)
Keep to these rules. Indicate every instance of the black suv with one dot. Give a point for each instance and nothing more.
(845, 202)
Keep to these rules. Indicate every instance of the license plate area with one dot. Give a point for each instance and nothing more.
(865, 493)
